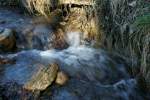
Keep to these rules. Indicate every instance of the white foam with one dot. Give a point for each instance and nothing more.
(73, 39)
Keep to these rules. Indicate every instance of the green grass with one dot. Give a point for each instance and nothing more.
(143, 21)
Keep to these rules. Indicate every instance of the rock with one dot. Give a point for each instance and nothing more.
(7, 40)
(6, 61)
(30, 76)
(42, 78)
(61, 78)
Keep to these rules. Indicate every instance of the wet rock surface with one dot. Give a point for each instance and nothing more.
(7, 40)
(86, 79)
(74, 62)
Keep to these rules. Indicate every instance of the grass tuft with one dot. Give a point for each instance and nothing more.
(124, 28)
(41, 6)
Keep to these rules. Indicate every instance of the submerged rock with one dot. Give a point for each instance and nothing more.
(7, 40)
(6, 61)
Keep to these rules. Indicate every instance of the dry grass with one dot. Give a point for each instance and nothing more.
(41, 6)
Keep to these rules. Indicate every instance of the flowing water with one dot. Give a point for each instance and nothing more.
(94, 73)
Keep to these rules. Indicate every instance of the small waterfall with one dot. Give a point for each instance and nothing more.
(73, 39)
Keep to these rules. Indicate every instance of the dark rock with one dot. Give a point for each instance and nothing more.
(7, 40)
(14, 91)
(2, 21)
(6, 61)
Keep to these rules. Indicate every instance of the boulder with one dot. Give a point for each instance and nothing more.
(7, 40)
(41, 79)
(29, 76)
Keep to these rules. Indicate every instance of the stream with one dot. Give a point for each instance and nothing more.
(94, 74)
